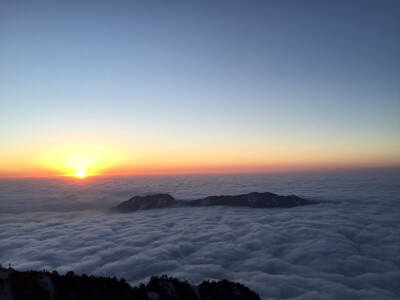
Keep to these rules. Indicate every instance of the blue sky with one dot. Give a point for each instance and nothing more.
(317, 75)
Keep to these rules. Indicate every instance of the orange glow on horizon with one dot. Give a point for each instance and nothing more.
(262, 169)
(80, 160)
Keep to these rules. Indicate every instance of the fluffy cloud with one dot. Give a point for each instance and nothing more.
(307, 252)
(342, 249)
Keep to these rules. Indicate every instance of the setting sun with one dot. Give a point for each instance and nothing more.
(81, 159)
(80, 174)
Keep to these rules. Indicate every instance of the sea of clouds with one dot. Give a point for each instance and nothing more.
(346, 247)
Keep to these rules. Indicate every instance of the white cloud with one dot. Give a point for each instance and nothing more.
(346, 249)
(306, 252)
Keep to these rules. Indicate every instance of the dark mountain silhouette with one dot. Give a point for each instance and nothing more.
(45, 285)
(146, 202)
(246, 200)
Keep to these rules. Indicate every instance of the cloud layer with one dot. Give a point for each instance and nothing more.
(323, 250)
(334, 250)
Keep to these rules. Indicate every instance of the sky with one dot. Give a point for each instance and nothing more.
(131, 87)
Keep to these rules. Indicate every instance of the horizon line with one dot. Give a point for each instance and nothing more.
(295, 171)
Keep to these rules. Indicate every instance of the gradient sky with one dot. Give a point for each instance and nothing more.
(160, 86)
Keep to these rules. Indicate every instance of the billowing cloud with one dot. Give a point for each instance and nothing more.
(341, 249)
(316, 251)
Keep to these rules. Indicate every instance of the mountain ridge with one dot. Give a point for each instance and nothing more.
(254, 200)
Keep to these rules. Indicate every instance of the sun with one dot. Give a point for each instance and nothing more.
(80, 174)
(81, 160)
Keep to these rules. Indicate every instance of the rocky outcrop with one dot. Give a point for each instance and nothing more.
(145, 202)
(252, 200)
(45, 285)
(256, 200)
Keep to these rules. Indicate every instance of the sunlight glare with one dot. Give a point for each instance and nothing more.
(81, 160)
(80, 174)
